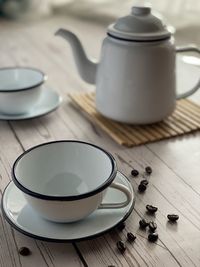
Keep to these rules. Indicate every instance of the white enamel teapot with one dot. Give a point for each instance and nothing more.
(136, 76)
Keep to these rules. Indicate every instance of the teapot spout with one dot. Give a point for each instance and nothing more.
(87, 68)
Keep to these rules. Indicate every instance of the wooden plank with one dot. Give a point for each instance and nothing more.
(167, 191)
(103, 251)
(182, 156)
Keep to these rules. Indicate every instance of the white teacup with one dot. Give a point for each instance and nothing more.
(65, 181)
(20, 89)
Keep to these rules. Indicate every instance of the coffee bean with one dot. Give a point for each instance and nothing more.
(24, 251)
(131, 237)
(143, 224)
(152, 237)
(172, 217)
(135, 172)
(121, 246)
(151, 209)
(145, 182)
(142, 187)
(121, 226)
(152, 226)
(148, 170)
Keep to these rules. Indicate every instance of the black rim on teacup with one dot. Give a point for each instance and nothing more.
(34, 85)
(100, 188)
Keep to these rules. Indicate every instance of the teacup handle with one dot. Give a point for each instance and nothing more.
(119, 205)
(189, 48)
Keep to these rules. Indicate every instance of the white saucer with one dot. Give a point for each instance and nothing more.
(24, 219)
(49, 101)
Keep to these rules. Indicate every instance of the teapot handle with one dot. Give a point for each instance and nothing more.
(189, 48)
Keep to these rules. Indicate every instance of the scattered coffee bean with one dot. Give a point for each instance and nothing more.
(121, 246)
(151, 209)
(172, 217)
(131, 237)
(145, 182)
(24, 251)
(152, 237)
(135, 172)
(143, 224)
(152, 226)
(142, 187)
(121, 226)
(148, 170)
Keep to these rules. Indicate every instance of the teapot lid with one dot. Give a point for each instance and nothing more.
(140, 25)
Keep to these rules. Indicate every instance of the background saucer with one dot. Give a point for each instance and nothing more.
(48, 102)
(24, 219)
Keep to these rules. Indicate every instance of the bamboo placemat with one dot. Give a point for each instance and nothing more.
(185, 119)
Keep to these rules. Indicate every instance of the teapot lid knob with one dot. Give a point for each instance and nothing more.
(141, 10)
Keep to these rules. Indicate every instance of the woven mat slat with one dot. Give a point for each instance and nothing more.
(190, 103)
(168, 129)
(188, 112)
(136, 134)
(163, 132)
(157, 135)
(185, 119)
(188, 118)
(148, 134)
(185, 125)
(174, 126)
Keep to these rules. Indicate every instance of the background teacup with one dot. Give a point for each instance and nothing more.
(20, 89)
(65, 181)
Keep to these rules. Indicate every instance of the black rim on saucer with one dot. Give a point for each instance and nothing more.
(44, 78)
(104, 185)
(128, 213)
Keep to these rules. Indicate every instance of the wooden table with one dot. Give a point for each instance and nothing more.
(174, 185)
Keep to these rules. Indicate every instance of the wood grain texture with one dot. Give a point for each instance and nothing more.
(173, 187)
